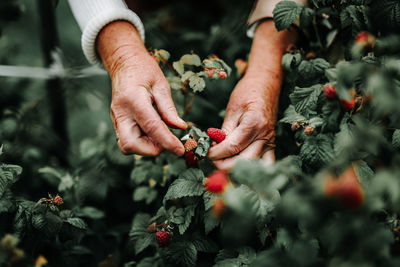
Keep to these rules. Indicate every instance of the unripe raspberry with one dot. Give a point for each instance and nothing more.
(216, 135)
(309, 130)
(210, 73)
(58, 200)
(222, 75)
(217, 181)
(191, 160)
(219, 208)
(349, 104)
(152, 228)
(162, 239)
(190, 145)
(330, 91)
(295, 126)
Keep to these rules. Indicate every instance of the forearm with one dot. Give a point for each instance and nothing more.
(265, 62)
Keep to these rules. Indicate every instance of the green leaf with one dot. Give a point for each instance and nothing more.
(138, 234)
(291, 116)
(396, 138)
(189, 183)
(291, 61)
(317, 150)
(77, 222)
(306, 17)
(174, 82)
(285, 13)
(90, 212)
(8, 175)
(210, 222)
(305, 99)
(203, 145)
(179, 67)
(182, 253)
(205, 245)
(191, 59)
(188, 213)
(145, 193)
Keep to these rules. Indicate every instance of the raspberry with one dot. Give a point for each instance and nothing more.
(190, 144)
(295, 126)
(365, 40)
(162, 239)
(216, 182)
(310, 55)
(309, 130)
(216, 135)
(58, 200)
(222, 75)
(191, 160)
(210, 73)
(219, 208)
(330, 91)
(347, 188)
(349, 104)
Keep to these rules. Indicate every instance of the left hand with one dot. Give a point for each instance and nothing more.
(249, 122)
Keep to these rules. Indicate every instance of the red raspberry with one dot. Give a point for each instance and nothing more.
(210, 73)
(349, 104)
(58, 200)
(216, 135)
(295, 126)
(191, 160)
(346, 188)
(222, 75)
(330, 91)
(190, 144)
(309, 130)
(365, 40)
(219, 208)
(216, 182)
(162, 239)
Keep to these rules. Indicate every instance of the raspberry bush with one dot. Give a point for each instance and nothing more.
(331, 199)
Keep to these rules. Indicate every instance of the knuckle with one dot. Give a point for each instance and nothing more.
(234, 148)
(126, 148)
(151, 126)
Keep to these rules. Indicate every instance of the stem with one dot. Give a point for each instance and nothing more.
(170, 67)
(188, 107)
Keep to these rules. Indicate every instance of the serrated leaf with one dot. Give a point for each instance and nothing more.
(396, 138)
(191, 59)
(179, 67)
(181, 253)
(203, 145)
(90, 212)
(291, 61)
(138, 234)
(8, 175)
(187, 218)
(144, 193)
(210, 222)
(77, 222)
(305, 99)
(174, 82)
(291, 116)
(189, 183)
(317, 150)
(205, 245)
(285, 13)
(196, 83)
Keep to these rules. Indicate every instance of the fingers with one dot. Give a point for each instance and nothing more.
(130, 140)
(269, 157)
(254, 150)
(162, 97)
(152, 125)
(235, 142)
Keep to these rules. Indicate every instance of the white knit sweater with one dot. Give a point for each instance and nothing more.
(93, 15)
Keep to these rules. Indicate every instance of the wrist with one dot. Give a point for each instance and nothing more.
(117, 43)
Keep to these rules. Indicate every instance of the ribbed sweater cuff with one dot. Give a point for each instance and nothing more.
(97, 23)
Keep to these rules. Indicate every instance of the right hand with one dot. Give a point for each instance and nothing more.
(138, 83)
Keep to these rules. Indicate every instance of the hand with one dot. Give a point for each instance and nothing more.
(138, 83)
(252, 109)
(249, 123)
